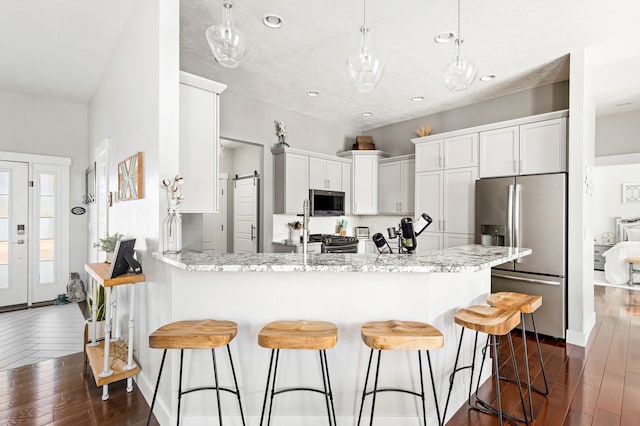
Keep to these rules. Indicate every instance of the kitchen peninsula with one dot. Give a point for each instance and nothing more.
(347, 289)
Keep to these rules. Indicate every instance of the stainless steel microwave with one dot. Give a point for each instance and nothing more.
(326, 203)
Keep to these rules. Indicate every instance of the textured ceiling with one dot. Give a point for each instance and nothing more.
(58, 48)
(525, 43)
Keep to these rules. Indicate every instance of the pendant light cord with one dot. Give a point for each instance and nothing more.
(364, 24)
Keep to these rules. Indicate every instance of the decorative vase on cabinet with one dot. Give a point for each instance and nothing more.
(172, 232)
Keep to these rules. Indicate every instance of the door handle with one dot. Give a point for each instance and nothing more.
(20, 242)
(95, 245)
(253, 228)
(527, 280)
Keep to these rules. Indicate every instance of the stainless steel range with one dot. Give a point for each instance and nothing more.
(336, 243)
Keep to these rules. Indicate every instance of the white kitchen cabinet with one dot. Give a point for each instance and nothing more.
(364, 180)
(500, 152)
(447, 196)
(543, 147)
(291, 182)
(447, 153)
(429, 241)
(325, 174)
(456, 240)
(199, 143)
(531, 148)
(396, 185)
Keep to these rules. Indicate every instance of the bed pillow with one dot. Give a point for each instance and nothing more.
(633, 234)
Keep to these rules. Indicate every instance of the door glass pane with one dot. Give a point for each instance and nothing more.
(4, 183)
(4, 276)
(4, 229)
(4, 206)
(47, 227)
(47, 272)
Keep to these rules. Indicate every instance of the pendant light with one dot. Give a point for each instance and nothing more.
(227, 43)
(461, 73)
(365, 69)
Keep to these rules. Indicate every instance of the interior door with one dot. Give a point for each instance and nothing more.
(14, 248)
(102, 198)
(245, 216)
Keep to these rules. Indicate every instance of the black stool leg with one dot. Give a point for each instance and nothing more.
(484, 357)
(180, 386)
(496, 367)
(273, 386)
(323, 357)
(526, 368)
(452, 376)
(424, 407)
(155, 392)
(473, 367)
(366, 381)
(235, 381)
(433, 387)
(266, 391)
(515, 368)
(375, 388)
(215, 376)
(544, 374)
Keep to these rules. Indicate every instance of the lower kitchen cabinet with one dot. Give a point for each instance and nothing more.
(428, 241)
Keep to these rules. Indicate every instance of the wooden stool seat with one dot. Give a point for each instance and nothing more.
(509, 301)
(634, 260)
(196, 334)
(401, 335)
(313, 335)
(487, 319)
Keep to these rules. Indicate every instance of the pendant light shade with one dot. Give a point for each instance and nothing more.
(461, 73)
(364, 68)
(227, 43)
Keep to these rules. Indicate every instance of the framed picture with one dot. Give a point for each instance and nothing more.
(631, 192)
(130, 178)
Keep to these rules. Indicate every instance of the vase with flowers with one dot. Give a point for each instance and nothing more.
(172, 224)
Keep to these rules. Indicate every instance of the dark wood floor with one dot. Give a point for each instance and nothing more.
(598, 385)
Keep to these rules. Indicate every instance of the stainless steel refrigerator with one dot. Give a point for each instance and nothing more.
(531, 212)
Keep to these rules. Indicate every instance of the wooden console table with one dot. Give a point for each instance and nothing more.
(104, 371)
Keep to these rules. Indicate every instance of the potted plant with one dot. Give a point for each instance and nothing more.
(100, 316)
(108, 244)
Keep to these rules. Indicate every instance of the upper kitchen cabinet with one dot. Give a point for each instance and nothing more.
(397, 185)
(296, 171)
(290, 181)
(446, 153)
(524, 149)
(199, 143)
(325, 174)
(364, 179)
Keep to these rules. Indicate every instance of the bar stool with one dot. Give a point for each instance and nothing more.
(309, 335)
(525, 304)
(198, 334)
(400, 335)
(494, 322)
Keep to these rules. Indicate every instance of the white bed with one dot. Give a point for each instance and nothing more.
(616, 270)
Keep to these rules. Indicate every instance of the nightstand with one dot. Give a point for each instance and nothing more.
(598, 259)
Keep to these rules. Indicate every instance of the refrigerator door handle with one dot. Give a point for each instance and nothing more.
(527, 280)
(516, 218)
(510, 216)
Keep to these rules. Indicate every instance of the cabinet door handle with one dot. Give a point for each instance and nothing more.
(521, 162)
(443, 225)
(440, 162)
(515, 166)
(444, 162)
(253, 228)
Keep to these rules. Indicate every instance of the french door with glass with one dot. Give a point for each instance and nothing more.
(14, 241)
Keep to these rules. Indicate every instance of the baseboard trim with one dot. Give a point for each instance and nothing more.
(580, 338)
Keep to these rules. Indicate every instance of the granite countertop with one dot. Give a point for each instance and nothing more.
(471, 258)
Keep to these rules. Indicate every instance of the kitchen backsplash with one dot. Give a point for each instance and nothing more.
(329, 225)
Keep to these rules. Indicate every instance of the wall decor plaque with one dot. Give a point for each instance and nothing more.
(130, 178)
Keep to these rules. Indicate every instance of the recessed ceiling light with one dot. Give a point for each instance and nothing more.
(367, 113)
(313, 93)
(444, 37)
(417, 98)
(624, 104)
(272, 21)
(488, 77)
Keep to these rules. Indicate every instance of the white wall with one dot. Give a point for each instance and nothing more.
(248, 120)
(396, 138)
(36, 125)
(607, 197)
(136, 107)
(618, 134)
